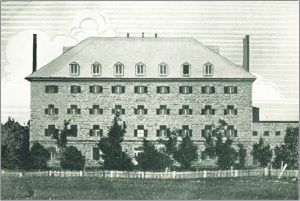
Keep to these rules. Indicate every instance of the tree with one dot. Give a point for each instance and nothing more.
(14, 145)
(151, 158)
(61, 136)
(242, 155)
(39, 156)
(288, 152)
(228, 156)
(262, 152)
(110, 146)
(72, 159)
(187, 152)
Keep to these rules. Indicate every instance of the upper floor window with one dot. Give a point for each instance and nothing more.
(140, 68)
(163, 90)
(119, 69)
(75, 89)
(230, 110)
(230, 90)
(96, 131)
(186, 131)
(96, 153)
(140, 131)
(208, 69)
(277, 133)
(118, 109)
(163, 131)
(208, 90)
(163, 110)
(163, 69)
(96, 89)
(96, 68)
(140, 110)
(51, 110)
(206, 131)
(231, 131)
(73, 110)
(185, 110)
(266, 133)
(51, 89)
(140, 89)
(73, 131)
(185, 89)
(96, 110)
(74, 68)
(254, 133)
(118, 89)
(186, 69)
(51, 131)
(208, 110)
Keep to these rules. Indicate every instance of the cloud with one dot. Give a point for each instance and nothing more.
(263, 91)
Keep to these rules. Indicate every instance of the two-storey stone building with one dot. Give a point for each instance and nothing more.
(157, 84)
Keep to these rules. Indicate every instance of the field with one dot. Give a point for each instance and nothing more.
(91, 188)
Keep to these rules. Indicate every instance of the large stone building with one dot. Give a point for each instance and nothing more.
(155, 83)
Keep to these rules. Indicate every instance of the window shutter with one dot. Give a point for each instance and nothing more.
(46, 111)
(135, 89)
(235, 90)
(146, 89)
(101, 132)
(168, 111)
(91, 111)
(168, 132)
(91, 132)
(68, 111)
(213, 111)
(202, 90)
(123, 89)
(101, 111)
(101, 89)
(113, 111)
(46, 132)
(135, 111)
(123, 111)
(56, 110)
(235, 132)
(203, 133)
(191, 90)
(91, 89)
(168, 90)
(213, 90)
(145, 133)
(180, 90)
(235, 111)
(47, 89)
(225, 112)
(225, 90)
(157, 133)
(157, 111)
(202, 111)
(135, 133)
(113, 89)
(180, 111)
(78, 111)
(79, 89)
(191, 111)
(191, 132)
(72, 89)
(56, 89)
(158, 90)
(145, 111)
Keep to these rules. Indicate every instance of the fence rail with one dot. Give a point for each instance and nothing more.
(158, 175)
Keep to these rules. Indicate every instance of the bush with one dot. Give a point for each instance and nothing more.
(72, 159)
(39, 157)
(262, 152)
(187, 153)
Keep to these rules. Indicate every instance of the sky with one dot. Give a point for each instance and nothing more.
(273, 27)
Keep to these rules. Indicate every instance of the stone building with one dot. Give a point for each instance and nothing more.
(155, 83)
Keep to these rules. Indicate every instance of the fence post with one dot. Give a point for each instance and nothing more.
(296, 173)
(235, 173)
(204, 174)
(21, 174)
(266, 171)
(111, 174)
(174, 175)
(80, 173)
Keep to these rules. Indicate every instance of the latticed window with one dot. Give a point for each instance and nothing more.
(208, 110)
(96, 110)
(74, 68)
(51, 110)
(73, 110)
(140, 131)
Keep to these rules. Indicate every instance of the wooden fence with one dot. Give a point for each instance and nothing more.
(158, 175)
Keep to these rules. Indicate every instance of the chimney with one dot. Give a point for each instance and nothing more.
(142, 34)
(127, 35)
(34, 54)
(246, 55)
(155, 35)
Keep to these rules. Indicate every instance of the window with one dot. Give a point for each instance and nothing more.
(96, 110)
(163, 69)
(230, 131)
(72, 132)
(185, 110)
(208, 110)
(137, 151)
(230, 110)
(118, 89)
(140, 131)
(51, 89)
(51, 110)
(74, 68)
(254, 133)
(118, 109)
(96, 131)
(208, 90)
(96, 153)
(185, 89)
(119, 69)
(96, 69)
(208, 69)
(266, 133)
(140, 89)
(75, 89)
(73, 110)
(52, 151)
(163, 89)
(277, 133)
(230, 90)
(186, 69)
(163, 131)
(51, 131)
(163, 110)
(96, 89)
(140, 68)
(140, 110)
(185, 131)
(206, 131)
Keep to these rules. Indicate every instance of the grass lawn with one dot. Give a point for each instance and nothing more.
(89, 188)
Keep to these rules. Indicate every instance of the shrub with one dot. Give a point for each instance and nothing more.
(187, 152)
(39, 156)
(262, 152)
(72, 159)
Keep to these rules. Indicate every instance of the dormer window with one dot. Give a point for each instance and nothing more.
(140, 68)
(208, 69)
(119, 69)
(74, 68)
(163, 69)
(96, 69)
(186, 69)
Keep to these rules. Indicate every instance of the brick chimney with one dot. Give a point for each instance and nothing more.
(246, 53)
(34, 53)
